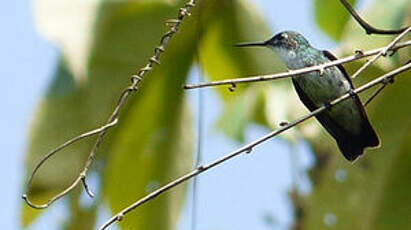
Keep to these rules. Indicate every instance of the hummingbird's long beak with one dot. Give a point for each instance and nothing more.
(251, 44)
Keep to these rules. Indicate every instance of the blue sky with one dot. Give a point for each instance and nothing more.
(27, 62)
(236, 195)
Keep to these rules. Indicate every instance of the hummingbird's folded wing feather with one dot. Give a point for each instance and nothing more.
(351, 145)
(332, 57)
(370, 137)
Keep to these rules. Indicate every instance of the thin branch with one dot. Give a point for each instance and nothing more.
(198, 154)
(320, 68)
(383, 52)
(200, 121)
(367, 27)
(57, 150)
(112, 121)
(86, 187)
(378, 91)
(249, 147)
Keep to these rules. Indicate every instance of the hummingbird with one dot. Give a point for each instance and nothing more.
(346, 122)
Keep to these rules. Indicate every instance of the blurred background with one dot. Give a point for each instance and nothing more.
(64, 64)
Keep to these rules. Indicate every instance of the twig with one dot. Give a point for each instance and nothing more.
(367, 27)
(249, 147)
(198, 154)
(112, 121)
(269, 77)
(200, 117)
(88, 191)
(52, 153)
(378, 91)
(382, 52)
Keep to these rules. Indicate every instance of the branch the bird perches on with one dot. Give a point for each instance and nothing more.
(249, 147)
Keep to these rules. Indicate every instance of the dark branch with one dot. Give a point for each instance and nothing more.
(367, 27)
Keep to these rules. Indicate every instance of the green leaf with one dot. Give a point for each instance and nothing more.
(364, 195)
(264, 104)
(62, 115)
(383, 14)
(69, 25)
(146, 158)
(121, 36)
(371, 193)
(152, 144)
(239, 112)
(82, 218)
(28, 214)
(331, 16)
(228, 24)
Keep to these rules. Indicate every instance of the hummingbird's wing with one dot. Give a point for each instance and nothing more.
(331, 125)
(332, 57)
(351, 145)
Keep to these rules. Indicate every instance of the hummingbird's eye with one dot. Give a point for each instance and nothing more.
(284, 36)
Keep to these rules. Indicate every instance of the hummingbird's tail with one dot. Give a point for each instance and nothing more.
(353, 146)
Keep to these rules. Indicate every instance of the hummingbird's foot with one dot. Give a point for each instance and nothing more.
(200, 168)
(232, 87)
(328, 106)
(359, 53)
(389, 80)
(283, 123)
(392, 52)
(321, 71)
(249, 150)
(352, 93)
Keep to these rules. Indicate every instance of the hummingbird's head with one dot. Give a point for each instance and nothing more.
(286, 40)
(288, 45)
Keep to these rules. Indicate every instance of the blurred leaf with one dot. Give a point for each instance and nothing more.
(29, 214)
(60, 116)
(79, 101)
(153, 142)
(239, 112)
(228, 24)
(282, 105)
(69, 24)
(405, 54)
(395, 192)
(264, 104)
(332, 17)
(82, 218)
(363, 195)
(142, 164)
(384, 14)
(153, 145)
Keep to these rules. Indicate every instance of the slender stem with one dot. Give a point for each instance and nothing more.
(378, 91)
(55, 151)
(113, 119)
(270, 77)
(249, 147)
(200, 121)
(382, 52)
(198, 156)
